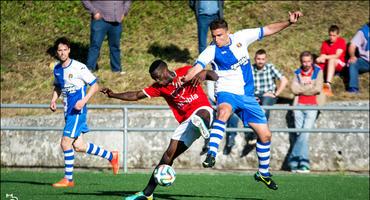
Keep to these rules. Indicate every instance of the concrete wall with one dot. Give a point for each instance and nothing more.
(41, 148)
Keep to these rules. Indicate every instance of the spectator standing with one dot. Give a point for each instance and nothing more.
(332, 57)
(205, 13)
(306, 86)
(106, 19)
(361, 64)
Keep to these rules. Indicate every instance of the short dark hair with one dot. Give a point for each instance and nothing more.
(62, 40)
(218, 23)
(305, 54)
(334, 28)
(260, 52)
(155, 65)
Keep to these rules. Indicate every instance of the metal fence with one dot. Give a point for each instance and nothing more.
(125, 128)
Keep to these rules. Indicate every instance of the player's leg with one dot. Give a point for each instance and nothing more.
(254, 116)
(70, 132)
(112, 156)
(224, 111)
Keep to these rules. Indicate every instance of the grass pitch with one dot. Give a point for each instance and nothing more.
(188, 186)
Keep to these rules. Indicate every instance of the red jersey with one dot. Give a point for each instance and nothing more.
(183, 100)
(331, 49)
(307, 80)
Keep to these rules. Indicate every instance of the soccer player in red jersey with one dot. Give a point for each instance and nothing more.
(188, 103)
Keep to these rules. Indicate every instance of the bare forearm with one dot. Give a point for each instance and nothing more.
(56, 94)
(92, 90)
(127, 96)
(352, 50)
(275, 27)
(282, 85)
(192, 72)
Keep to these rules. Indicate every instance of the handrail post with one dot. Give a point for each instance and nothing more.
(125, 132)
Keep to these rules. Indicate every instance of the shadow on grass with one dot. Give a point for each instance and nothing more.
(160, 195)
(170, 52)
(25, 182)
(79, 51)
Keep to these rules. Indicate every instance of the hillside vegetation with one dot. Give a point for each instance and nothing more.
(157, 29)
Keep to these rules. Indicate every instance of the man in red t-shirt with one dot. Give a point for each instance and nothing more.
(188, 103)
(332, 57)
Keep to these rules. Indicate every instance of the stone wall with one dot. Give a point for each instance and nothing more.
(328, 151)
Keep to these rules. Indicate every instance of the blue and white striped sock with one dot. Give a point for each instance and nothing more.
(263, 154)
(69, 159)
(93, 149)
(217, 133)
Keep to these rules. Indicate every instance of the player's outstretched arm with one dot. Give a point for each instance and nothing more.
(277, 27)
(125, 96)
(191, 73)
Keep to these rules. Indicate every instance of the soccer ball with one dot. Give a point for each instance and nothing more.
(164, 175)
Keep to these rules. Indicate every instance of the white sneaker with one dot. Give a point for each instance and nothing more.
(198, 122)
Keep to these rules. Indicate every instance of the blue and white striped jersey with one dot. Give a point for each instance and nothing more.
(232, 63)
(72, 81)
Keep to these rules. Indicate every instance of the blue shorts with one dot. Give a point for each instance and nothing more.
(246, 107)
(75, 125)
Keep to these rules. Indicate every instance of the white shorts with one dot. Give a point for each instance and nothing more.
(187, 132)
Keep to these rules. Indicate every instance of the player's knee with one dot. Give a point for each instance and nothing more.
(78, 147)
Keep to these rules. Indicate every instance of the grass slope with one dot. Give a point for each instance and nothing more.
(188, 186)
(156, 29)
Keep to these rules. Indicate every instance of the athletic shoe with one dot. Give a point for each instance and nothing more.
(266, 180)
(114, 162)
(327, 90)
(199, 123)
(303, 169)
(293, 169)
(209, 162)
(64, 183)
(353, 90)
(139, 196)
(227, 150)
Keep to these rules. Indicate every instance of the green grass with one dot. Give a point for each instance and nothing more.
(157, 29)
(188, 186)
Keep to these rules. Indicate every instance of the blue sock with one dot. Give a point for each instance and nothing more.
(93, 149)
(68, 164)
(263, 154)
(217, 133)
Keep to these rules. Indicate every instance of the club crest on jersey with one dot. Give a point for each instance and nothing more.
(239, 45)
(70, 76)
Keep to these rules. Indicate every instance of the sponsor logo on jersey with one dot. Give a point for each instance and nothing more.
(242, 61)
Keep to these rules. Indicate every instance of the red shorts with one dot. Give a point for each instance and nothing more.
(338, 68)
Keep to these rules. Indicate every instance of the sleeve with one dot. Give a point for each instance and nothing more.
(276, 73)
(152, 91)
(126, 7)
(87, 76)
(88, 5)
(358, 39)
(250, 35)
(206, 56)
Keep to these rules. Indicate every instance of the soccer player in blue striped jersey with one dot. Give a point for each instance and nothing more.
(228, 54)
(70, 80)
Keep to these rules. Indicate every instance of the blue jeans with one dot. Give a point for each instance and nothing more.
(266, 101)
(356, 68)
(300, 151)
(230, 136)
(203, 22)
(100, 28)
